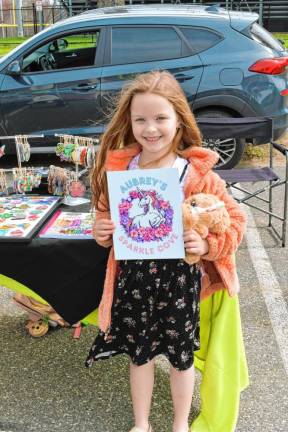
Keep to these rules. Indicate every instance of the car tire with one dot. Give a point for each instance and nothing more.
(234, 147)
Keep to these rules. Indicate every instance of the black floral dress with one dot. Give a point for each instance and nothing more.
(155, 308)
(155, 311)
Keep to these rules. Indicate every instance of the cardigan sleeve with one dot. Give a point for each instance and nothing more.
(221, 245)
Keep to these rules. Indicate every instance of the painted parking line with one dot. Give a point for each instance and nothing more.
(269, 285)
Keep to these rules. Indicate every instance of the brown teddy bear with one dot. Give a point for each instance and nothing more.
(204, 213)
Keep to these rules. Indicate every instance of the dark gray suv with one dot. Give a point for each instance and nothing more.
(64, 79)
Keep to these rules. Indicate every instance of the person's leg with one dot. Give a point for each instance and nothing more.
(182, 386)
(141, 386)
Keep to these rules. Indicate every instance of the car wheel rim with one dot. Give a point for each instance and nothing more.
(226, 149)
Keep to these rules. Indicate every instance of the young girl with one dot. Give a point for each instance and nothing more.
(151, 307)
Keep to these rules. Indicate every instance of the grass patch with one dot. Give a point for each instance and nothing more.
(283, 37)
(13, 40)
(254, 152)
(8, 44)
(6, 49)
(260, 154)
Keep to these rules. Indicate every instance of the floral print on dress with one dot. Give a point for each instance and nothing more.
(155, 311)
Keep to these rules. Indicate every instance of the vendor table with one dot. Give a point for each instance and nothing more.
(68, 274)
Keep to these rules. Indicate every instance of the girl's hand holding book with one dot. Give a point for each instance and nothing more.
(103, 229)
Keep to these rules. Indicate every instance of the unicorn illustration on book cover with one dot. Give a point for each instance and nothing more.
(145, 216)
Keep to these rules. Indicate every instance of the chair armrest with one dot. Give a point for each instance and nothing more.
(280, 148)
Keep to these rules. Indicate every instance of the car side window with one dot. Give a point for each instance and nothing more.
(200, 39)
(262, 36)
(70, 51)
(142, 44)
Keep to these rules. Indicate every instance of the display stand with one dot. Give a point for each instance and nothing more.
(38, 318)
(24, 171)
(80, 151)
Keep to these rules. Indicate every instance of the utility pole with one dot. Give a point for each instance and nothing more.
(261, 12)
(19, 20)
(39, 11)
(70, 8)
(1, 17)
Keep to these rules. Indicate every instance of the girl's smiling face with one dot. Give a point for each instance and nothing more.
(154, 124)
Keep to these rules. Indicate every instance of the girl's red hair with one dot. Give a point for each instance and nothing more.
(119, 130)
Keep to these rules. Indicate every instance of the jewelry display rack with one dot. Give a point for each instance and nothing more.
(13, 137)
(77, 142)
(19, 162)
(68, 200)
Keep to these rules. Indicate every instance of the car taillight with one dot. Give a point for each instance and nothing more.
(270, 66)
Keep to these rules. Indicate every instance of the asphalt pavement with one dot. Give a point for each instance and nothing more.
(45, 387)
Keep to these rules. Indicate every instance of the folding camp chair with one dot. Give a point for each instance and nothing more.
(261, 131)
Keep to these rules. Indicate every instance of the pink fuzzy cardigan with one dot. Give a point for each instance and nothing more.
(218, 266)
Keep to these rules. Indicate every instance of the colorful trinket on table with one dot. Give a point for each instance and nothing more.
(23, 148)
(77, 189)
(69, 225)
(18, 219)
(3, 183)
(25, 179)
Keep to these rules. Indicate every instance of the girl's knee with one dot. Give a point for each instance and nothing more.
(175, 370)
(148, 363)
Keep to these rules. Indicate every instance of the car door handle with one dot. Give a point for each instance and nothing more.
(71, 55)
(181, 77)
(85, 87)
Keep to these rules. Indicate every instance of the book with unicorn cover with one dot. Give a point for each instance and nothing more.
(69, 225)
(146, 209)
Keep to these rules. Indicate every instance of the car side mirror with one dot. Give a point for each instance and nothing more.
(14, 68)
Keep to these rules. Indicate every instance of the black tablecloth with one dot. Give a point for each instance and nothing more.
(68, 274)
